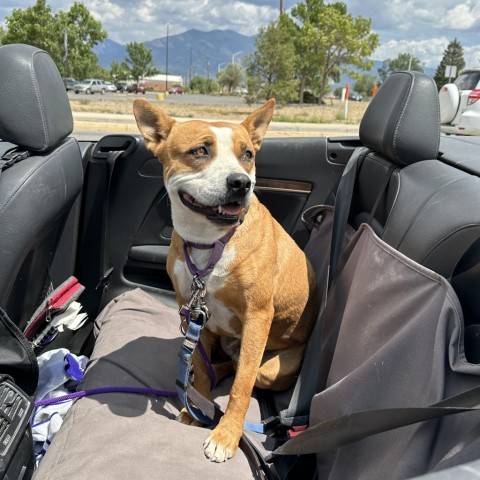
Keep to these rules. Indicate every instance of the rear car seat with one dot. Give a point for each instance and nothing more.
(122, 436)
(36, 193)
(427, 212)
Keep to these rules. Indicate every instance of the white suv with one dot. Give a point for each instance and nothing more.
(460, 104)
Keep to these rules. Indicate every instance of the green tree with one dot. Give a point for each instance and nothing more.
(404, 61)
(453, 55)
(231, 77)
(200, 84)
(35, 26)
(75, 29)
(83, 32)
(338, 92)
(330, 41)
(364, 84)
(139, 61)
(118, 71)
(271, 67)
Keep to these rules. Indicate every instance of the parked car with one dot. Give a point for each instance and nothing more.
(355, 97)
(241, 90)
(90, 86)
(178, 90)
(460, 105)
(382, 357)
(136, 88)
(69, 83)
(110, 86)
(121, 86)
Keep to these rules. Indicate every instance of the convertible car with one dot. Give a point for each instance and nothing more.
(390, 382)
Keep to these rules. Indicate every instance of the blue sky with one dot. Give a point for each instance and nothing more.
(422, 27)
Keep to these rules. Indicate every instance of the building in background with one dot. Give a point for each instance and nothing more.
(159, 82)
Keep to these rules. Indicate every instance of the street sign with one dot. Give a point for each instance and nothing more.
(450, 71)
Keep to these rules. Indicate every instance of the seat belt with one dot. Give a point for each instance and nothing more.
(97, 277)
(299, 407)
(343, 430)
(11, 157)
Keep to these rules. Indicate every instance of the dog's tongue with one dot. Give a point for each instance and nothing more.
(231, 208)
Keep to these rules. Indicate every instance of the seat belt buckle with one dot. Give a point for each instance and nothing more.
(296, 430)
(104, 279)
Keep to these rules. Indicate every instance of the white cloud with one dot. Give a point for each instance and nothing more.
(423, 27)
(472, 56)
(105, 11)
(461, 17)
(429, 52)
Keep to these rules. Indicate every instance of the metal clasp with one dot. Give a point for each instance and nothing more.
(196, 309)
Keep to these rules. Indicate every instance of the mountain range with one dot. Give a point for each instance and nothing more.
(192, 52)
(198, 53)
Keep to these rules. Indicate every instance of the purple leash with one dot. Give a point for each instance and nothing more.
(98, 390)
(218, 248)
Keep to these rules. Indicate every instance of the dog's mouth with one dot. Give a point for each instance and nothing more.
(224, 214)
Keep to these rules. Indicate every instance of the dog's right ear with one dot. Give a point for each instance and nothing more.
(154, 124)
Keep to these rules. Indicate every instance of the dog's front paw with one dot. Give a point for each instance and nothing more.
(221, 444)
(185, 418)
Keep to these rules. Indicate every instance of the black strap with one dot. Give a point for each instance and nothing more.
(343, 202)
(261, 470)
(343, 430)
(11, 157)
(383, 187)
(306, 385)
(104, 259)
(98, 273)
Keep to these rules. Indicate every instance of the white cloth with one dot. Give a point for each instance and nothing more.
(53, 378)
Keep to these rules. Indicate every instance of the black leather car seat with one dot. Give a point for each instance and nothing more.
(429, 211)
(36, 192)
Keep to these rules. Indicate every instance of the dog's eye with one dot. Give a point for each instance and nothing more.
(247, 156)
(199, 152)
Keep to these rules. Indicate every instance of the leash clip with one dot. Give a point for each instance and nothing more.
(196, 309)
(200, 316)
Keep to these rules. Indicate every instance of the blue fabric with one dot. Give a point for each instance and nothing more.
(192, 337)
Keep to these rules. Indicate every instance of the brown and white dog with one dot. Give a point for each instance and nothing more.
(261, 293)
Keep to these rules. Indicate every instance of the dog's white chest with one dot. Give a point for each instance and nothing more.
(221, 316)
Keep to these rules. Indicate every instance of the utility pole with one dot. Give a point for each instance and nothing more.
(166, 62)
(208, 69)
(190, 69)
(281, 7)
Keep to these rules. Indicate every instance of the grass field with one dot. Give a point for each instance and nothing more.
(332, 112)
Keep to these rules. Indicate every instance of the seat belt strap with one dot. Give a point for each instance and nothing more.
(343, 430)
(343, 202)
(306, 385)
(11, 157)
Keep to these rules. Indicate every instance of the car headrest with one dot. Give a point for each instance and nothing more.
(35, 113)
(402, 121)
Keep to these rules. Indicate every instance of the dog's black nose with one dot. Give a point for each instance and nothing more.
(239, 183)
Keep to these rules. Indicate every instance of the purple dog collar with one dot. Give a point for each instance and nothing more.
(218, 248)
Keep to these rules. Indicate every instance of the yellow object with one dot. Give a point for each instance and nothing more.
(160, 96)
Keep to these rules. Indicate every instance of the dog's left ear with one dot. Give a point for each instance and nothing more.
(257, 122)
(154, 124)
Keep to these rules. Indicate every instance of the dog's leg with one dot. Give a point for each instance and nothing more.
(279, 368)
(201, 380)
(222, 443)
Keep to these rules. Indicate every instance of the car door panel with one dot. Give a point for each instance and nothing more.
(292, 175)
